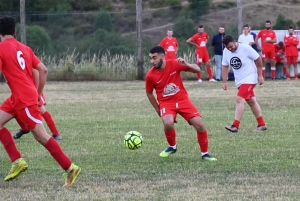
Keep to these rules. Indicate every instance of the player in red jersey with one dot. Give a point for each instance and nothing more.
(280, 56)
(268, 38)
(172, 99)
(46, 115)
(170, 45)
(16, 63)
(199, 40)
(291, 52)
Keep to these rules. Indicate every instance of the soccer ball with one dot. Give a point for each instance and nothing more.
(133, 140)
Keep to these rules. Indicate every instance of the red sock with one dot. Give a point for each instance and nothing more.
(199, 75)
(236, 123)
(284, 70)
(171, 137)
(209, 72)
(203, 141)
(287, 75)
(263, 72)
(260, 121)
(50, 122)
(273, 72)
(21, 124)
(9, 144)
(57, 153)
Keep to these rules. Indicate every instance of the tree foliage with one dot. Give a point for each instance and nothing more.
(282, 23)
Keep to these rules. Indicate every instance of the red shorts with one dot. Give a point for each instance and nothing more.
(279, 59)
(42, 101)
(292, 59)
(184, 107)
(30, 115)
(202, 56)
(170, 55)
(268, 53)
(246, 91)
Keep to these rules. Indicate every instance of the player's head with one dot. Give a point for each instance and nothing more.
(230, 43)
(291, 30)
(7, 25)
(200, 29)
(268, 24)
(280, 44)
(157, 56)
(221, 29)
(246, 29)
(170, 33)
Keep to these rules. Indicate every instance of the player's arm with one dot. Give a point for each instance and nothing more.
(225, 70)
(259, 65)
(35, 74)
(42, 70)
(191, 42)
(256, 41)
(193, 68)
(153, 102)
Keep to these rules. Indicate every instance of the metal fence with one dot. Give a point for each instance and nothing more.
(87, 35)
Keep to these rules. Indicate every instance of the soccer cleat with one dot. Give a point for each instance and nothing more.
(232, 128)
(208, 157)
(57, 137)
(71, 176)
(284, 76)
(167, 152)
(212, 80)
(199, 80)
(20, 133)
(261, 128)
(17, 168)
(288, 78)
(296, 78)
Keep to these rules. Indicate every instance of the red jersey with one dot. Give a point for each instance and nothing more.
(200, 40)
(291, 43)
(279, 50)
(170, 45)
(167, 83)
(266, 35)
(16, 63)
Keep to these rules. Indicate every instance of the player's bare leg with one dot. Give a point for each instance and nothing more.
(170, 134)
(256, 110)
(288, 71)
(239, 111)
(264, 67)
(296, 71)
(209, 72)
(202, 137)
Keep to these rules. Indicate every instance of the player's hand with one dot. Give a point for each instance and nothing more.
(225, 86)
(182, 61)
(39, 97)
(260, 80)
(158, 112)
(260, 48)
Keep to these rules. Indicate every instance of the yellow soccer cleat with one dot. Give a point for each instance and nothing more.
(17, 168)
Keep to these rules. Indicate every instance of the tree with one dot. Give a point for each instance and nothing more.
(103, 21)
(282, 23)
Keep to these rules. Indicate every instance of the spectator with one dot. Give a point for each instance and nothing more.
(170, 45)
(280, 57)
(291, 52)
(218, 50)
(246, 37)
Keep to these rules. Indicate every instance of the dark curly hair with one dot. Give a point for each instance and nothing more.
(7, 25)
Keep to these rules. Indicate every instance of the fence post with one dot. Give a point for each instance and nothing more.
(240, 16)
(140, 56)
(22, 21)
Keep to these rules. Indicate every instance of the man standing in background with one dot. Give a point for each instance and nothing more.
(246, 37)
(218, 50)
(199, 40)
(291, 52)
(268, 38)
(170, 45)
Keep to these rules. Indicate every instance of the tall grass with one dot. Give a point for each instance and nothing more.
(71, 66)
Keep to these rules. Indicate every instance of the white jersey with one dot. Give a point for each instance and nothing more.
(245, 39)
(242, 63)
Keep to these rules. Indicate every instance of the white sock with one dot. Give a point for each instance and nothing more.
(203, 153)
(174, 147)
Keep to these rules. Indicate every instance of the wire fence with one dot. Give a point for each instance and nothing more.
(84, 40)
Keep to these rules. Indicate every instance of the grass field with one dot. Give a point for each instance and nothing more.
(93, 118)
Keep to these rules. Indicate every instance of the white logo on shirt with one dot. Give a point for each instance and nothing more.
(170, 90)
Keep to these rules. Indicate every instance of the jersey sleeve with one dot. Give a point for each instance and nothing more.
(194, 37)
(178, 66)
(35, 59)
(224, 60)
(162, 43)
(258, 35)
(149, 83)
(274, 35)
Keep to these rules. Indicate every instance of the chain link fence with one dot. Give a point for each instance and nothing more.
(102, 45)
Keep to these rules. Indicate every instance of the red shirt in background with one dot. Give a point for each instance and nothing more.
(266, 35)
(291, 43)
(170, 45)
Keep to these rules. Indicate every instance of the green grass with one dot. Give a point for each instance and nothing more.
(93, 118)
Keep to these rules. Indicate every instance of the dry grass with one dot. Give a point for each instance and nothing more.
(93, 117)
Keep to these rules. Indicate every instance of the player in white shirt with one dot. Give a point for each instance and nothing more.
(247, 68)
(246, 37)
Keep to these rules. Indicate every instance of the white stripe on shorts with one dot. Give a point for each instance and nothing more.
(43, 101)
(32, 118)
